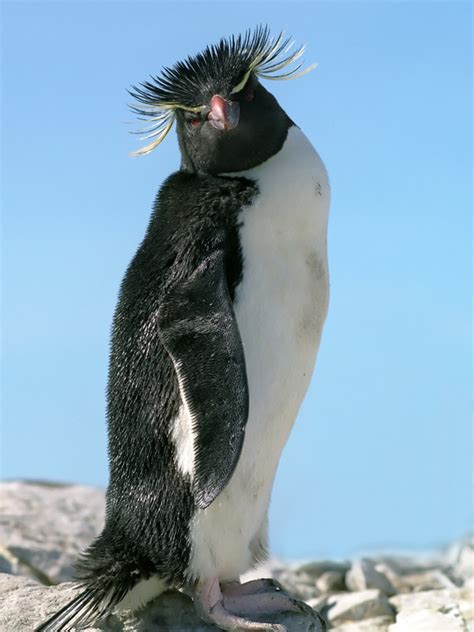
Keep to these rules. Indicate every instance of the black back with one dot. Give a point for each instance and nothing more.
(149, 502)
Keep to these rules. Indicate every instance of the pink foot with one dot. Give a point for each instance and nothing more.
(211, 606)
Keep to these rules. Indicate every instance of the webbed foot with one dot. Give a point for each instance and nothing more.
(234, 606)
(228, 615)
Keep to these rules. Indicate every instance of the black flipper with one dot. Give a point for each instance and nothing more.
(198, 329)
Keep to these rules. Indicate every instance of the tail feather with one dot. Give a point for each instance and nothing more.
(107, 571)
(91, 604)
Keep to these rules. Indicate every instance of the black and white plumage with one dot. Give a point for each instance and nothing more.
(214, 338)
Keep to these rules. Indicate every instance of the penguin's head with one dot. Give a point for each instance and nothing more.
(226, 120)
(236, 130)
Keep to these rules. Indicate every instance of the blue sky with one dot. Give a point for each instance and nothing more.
(380, 454)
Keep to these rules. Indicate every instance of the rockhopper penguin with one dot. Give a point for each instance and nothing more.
(214, 342)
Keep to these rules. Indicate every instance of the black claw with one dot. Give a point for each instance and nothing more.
(274, 584)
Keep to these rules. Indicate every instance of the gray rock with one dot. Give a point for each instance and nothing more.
(433, 579)
(429, 580)
(462, 560)
(331, 581)
(316, 569)
(299, 583)
(9, 563)
(376, 624)
(420, 575)
(309, 580)
(364, 575)
(25, 603)
(408, 564)
(356, 606)
(43, 527)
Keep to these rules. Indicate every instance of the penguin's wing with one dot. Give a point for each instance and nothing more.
(198, 328)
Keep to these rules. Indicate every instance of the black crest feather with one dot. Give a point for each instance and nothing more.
(221, 68)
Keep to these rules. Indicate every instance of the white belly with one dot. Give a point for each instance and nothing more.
(280, 308)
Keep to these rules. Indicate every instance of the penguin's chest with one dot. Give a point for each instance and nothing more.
(281, 302)
(280, 307)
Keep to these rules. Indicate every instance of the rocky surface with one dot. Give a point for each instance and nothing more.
(25, 603)
(43, 527)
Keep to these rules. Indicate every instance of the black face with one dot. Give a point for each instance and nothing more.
(259, 133)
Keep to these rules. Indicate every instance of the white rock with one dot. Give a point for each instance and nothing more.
(356, 606)
(429, 599)
(426, 620)
(469, 583)
(466, 604)
(456, 606)
(43, 527)
(363, 575)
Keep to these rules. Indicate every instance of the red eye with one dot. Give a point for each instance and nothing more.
(195, 121)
